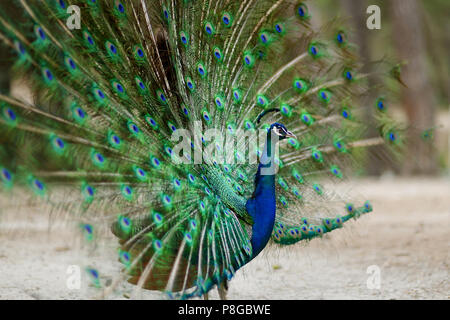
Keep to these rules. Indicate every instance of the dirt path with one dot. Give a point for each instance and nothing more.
(407, 237)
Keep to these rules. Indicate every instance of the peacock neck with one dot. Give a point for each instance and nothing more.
(262, 205)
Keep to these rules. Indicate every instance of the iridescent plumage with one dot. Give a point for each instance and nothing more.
(115, 92)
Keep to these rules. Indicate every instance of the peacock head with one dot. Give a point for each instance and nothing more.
(281, 131)
(277, 128)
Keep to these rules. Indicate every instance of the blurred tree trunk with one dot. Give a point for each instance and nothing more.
(417, 97)
(6, 53)
(5, 64)
(356, 10)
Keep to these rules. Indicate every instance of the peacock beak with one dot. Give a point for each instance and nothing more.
(290, 135)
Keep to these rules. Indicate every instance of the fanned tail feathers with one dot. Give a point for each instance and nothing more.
(111, 95)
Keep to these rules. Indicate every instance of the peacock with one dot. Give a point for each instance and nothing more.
(195, 132)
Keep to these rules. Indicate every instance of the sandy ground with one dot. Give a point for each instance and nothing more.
(406, 237)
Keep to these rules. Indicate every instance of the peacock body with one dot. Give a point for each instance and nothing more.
(117, 98)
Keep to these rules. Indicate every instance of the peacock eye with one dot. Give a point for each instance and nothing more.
(38, 184)
(121, 8)
(6, 174)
